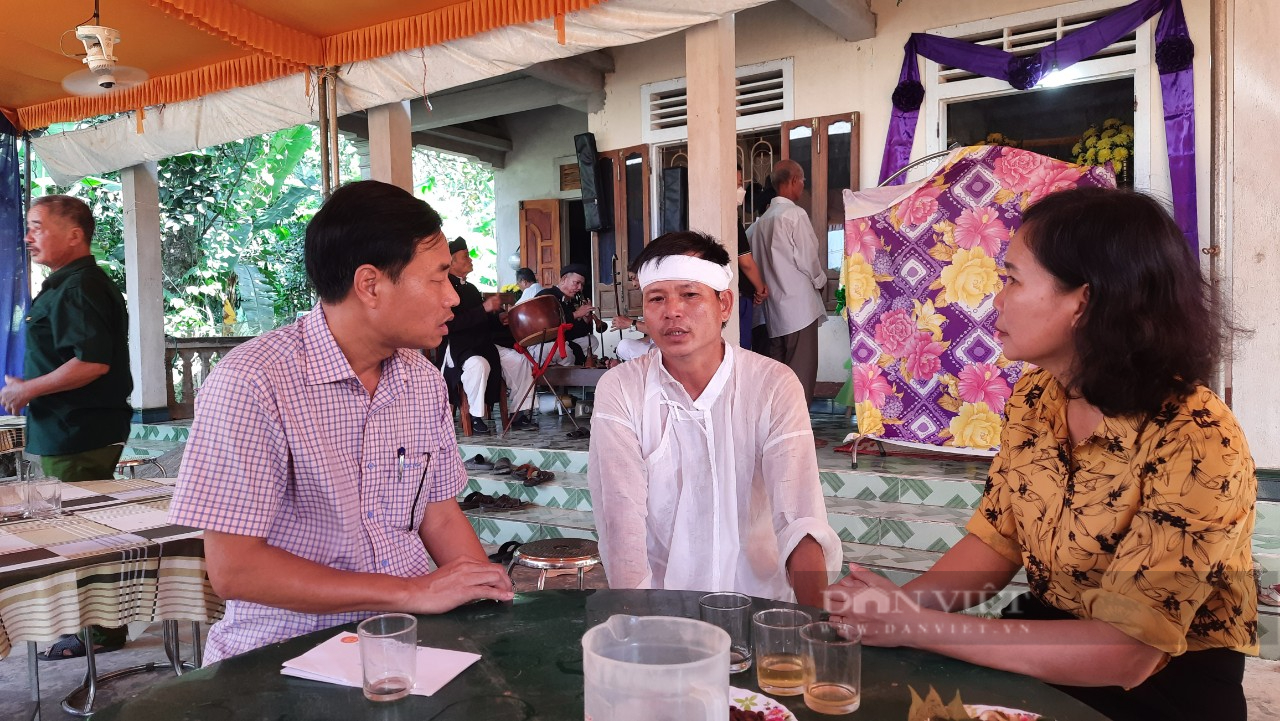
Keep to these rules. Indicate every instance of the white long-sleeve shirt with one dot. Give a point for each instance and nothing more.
(786, 251)
(712, 494)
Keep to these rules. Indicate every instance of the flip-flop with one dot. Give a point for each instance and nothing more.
(505, 503)
(478, 464)
(70, 646)
(502, 467)
(577, 434)
(504, 552)
(537, 476)
(474, 499)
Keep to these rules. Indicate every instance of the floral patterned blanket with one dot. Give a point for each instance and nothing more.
(920, 278)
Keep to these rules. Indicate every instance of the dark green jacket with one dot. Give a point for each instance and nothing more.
(79, 313)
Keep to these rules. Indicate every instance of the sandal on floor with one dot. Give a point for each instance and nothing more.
(504, 553)
(504, 503)
(70, 646)
(502, 467)
(478, 464)
(577, 434)
(1269, 596)
(474, 499)
(537, 476)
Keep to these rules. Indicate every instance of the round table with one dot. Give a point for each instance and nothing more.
(531, 668)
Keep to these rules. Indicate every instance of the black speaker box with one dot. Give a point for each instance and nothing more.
(597, 188)
(675, 199)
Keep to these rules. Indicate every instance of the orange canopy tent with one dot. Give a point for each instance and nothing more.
(192, 48)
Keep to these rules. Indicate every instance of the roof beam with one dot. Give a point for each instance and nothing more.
(850, 19)
(358, 126)
(487, 101)
(464, 135)
(581, 73)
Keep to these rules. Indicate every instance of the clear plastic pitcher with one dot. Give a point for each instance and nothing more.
(656, 668)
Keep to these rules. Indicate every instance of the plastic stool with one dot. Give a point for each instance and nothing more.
(557, 554)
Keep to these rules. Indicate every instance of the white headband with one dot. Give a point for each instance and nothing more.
(685, 267)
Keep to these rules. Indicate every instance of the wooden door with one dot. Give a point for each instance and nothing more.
(540, 239)
(827, 148)
(629, 234)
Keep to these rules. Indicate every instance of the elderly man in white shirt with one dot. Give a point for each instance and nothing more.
(786, 251)
(703, 474)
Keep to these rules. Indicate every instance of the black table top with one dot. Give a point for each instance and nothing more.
(531, 668)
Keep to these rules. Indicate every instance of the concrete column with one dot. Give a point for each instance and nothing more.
(1252, 215)
(143, 277)
(709, 66)
(390, 145)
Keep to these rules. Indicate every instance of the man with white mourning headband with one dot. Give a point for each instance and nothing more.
(703, 474)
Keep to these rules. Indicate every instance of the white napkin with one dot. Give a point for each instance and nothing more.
(338, 661)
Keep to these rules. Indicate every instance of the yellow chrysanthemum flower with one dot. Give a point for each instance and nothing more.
(1119, 153)
(1104, 155)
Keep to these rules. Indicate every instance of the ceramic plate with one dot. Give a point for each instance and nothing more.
(755, 701)
(999, 713)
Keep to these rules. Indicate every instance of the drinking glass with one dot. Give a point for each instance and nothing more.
(388, 655)
(44, 497)
(832, 658)
(731, 612)
(776, 634)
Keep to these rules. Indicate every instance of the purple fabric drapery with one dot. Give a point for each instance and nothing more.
(14, 296)
(1174, 52)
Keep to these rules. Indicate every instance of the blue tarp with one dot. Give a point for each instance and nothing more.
(14, 286)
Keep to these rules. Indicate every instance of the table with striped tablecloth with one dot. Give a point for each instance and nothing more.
(112, 558)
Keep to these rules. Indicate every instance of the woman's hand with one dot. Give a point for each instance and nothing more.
(880, 610)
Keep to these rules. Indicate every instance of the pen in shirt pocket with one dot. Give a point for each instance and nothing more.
(426, 465)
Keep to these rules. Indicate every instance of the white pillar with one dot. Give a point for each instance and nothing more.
(709, 66)
(1252, 215)
(390, 145)
(143, 277)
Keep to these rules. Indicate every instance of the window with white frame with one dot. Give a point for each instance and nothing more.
(1109, 92)
(763, 94)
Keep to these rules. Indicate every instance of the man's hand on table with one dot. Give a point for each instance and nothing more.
(460, 581)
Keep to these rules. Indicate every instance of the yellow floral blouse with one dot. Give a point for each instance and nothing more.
(1144, 525)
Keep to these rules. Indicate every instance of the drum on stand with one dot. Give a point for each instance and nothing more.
(535, 321)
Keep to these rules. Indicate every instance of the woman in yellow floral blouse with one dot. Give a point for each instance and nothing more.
(1123, 486)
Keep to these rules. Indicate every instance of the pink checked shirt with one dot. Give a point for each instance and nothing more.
(287, 445)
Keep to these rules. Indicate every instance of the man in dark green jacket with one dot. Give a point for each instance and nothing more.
(77, 380)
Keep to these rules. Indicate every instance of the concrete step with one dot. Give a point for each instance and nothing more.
(568, 490)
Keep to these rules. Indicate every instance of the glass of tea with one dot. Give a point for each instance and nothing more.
(776, 636)
(831, 654)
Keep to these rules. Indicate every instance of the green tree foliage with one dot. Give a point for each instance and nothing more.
(233, 224)
(462, 192)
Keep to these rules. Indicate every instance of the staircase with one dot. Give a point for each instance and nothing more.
(895, 515)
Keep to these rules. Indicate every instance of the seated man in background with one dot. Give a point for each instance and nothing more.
(702, 470)
(528, 284)
(479, 341)
(322, 463)
(576, 307)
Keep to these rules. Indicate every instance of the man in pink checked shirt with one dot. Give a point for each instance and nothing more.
(322, 463)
